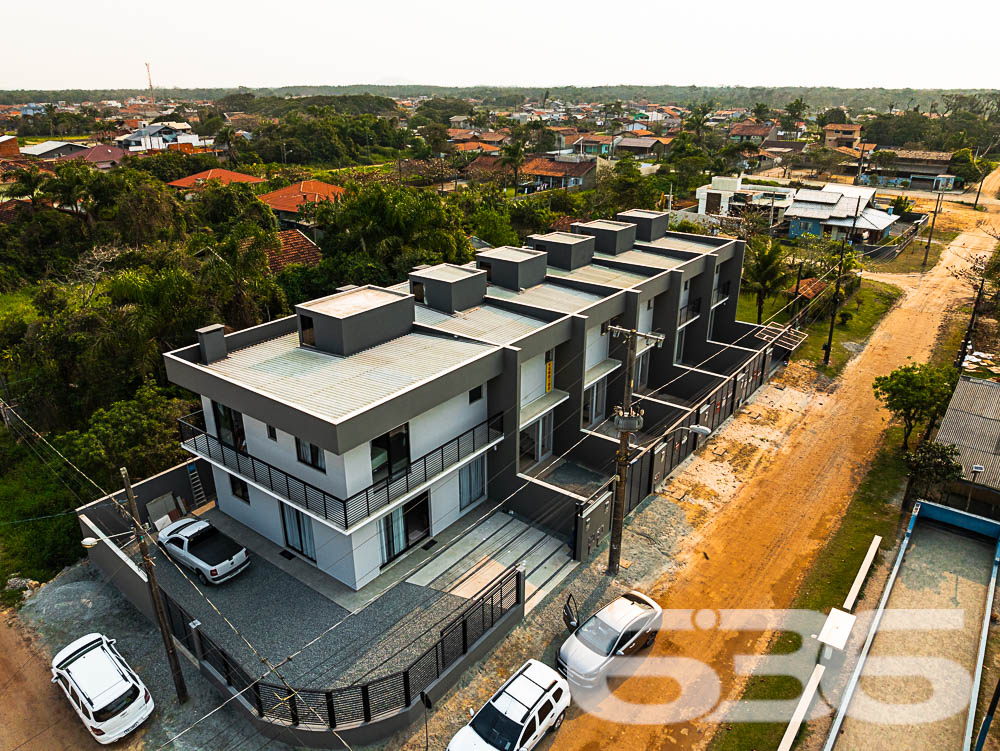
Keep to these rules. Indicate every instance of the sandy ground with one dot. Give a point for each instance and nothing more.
(36, 715)
(772, 516)
(947, 572)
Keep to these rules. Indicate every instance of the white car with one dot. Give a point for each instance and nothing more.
(531, 703)
(103, 689)
(198, 545)
(620, 628)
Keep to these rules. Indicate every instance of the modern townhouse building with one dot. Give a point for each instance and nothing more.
(373, 419)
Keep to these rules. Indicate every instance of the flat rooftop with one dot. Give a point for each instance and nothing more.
(653, 260)
(597, 274)
(606, 224)
(334, 386)
(643, 213)
(685, 243)
(564, 237)
(344, 304)
(509, 253)
(549, 296)
(446, 272)
(486, 322)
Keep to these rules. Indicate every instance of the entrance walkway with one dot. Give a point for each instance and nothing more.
(486, 551)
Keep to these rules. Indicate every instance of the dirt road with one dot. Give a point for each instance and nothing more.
(36, 715)
(754, 550)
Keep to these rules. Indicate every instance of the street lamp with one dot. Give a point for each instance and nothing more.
(698, 429)
(93, 542)
(976, 469)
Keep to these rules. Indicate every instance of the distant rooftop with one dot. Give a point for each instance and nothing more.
(487, 322)
(606, 224)
(641, 257)
(670, 242)
(446, 272)
(598, 274)
(564, 237)
(344, 304)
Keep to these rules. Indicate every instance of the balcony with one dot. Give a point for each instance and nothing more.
(689, 312)
(344, 513)
(720, 294)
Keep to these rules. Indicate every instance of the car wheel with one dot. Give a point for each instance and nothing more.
(649, 640)
(202, 578)
(559, 721)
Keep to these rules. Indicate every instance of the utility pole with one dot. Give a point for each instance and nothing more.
(836, 289)
(978, 192)
(937, 207)
(795, 300)
(154, 592)
(967, 341)
(627, 421)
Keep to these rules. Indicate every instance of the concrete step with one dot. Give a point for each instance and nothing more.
(479, 537)
(546, 578)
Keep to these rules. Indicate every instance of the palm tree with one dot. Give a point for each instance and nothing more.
(765, 272)
(227, 138)
(697, 121)
(237, 273)
(27, 184)
(760, 111)
(514, 157)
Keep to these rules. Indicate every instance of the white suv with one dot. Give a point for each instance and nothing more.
(103, 689)
(532, 702)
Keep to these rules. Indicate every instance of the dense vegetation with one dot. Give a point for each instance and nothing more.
(727, 96)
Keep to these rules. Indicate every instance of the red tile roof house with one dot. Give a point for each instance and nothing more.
(293, 247)
(752, 131)
(100, 157)
(285, 202)
(545, 172)
(224, 176)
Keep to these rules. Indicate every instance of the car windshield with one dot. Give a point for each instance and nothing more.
(496, 728)
(598, 635)
(117, 706)
(202, 535)
(78, 654)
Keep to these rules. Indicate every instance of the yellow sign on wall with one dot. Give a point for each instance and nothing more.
(548, 376)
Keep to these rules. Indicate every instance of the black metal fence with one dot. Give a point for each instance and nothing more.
(690, 312)
(380, 697)
(357, 507)
(721, 293)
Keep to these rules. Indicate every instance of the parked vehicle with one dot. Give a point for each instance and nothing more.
(620, 628)
(200, 546)
(532, 702)
(103, 689)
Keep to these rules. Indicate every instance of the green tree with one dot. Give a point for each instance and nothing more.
(915, 393)
(761, 111)
(796, 108)
(229, 139)
(493, 226)
(832, 116)
(28, 184)
(932, 465)
(138, 433)
(236, 275)
(765, 270)
(513, 156)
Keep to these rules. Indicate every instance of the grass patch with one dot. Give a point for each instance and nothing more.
(867, 306)
(871, 512)
(911, 260)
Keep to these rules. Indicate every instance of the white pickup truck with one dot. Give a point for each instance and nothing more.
(200, 546)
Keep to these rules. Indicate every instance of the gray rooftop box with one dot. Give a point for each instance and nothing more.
(513, 268)
(566, 250)
(352, 321)
(447, 287)
(650, 225)
(611, 237)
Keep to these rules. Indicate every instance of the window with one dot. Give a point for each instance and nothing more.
(535, 442)
(529, 730)
(475, 394)
(272, 433)
(310, 454)
(557, 695)
(545, 709)
(229, 426)
(390, 453)
(239, 487)
(418, 291)
(604, 327)
(679, 346)
(649, 304)
(687, 284)
(594, 403)
(472, 483)
(488, 268)
(308, 334)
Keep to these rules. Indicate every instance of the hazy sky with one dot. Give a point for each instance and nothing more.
(105, 43)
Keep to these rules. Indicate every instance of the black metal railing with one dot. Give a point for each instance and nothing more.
(690, 311)
(720, 293)
(340, 511)
(381, 697)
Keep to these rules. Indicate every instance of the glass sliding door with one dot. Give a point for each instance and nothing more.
(298, 532)
(390, 453)
(229, 426)
(471, 483)
(535, 442)
(405, 527)
(594, 403)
